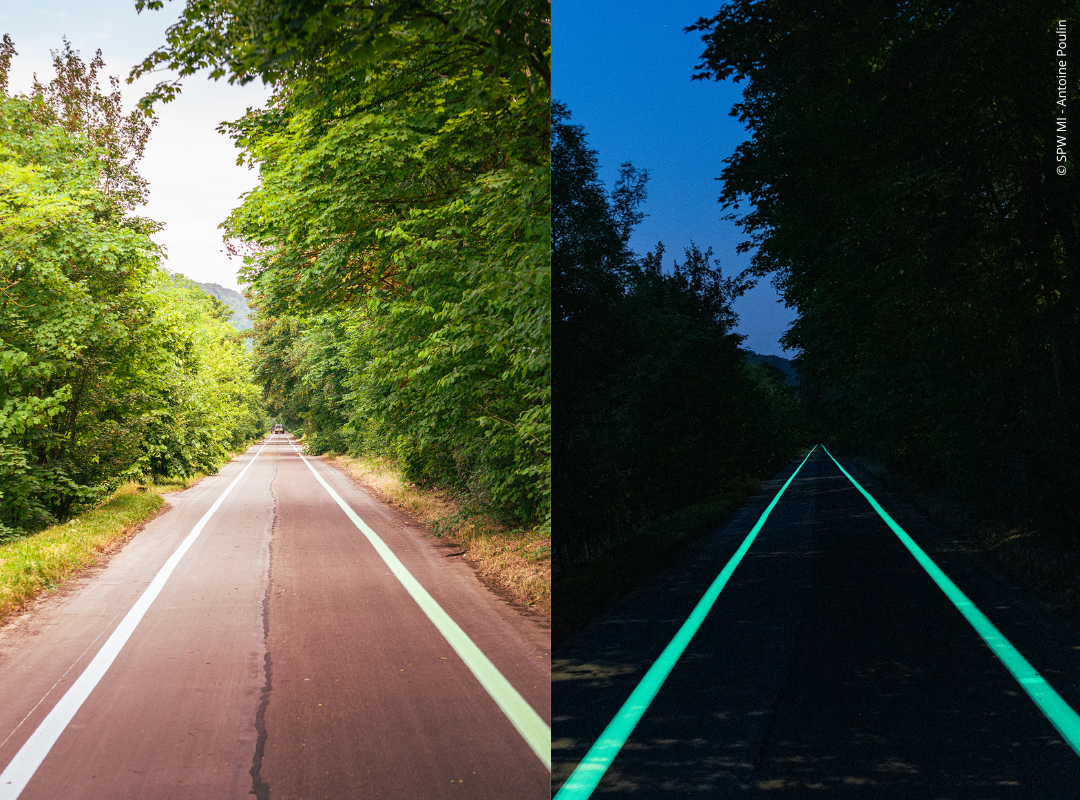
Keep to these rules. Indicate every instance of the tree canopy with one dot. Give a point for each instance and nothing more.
(903, 192)
(401, 220)
(109, 367)
(657, 408)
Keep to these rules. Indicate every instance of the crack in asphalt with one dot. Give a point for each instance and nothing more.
(259, 787)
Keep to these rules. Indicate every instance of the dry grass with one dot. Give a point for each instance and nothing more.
(515, 562)
(1036, 554)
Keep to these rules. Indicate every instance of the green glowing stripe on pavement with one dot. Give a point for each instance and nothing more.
(529, 724)
(1049, 702)
(588, 773)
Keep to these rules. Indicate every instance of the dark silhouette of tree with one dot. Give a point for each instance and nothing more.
(903, 194)
(656, 407)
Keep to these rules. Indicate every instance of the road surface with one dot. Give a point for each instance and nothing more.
(830, 666)
(283, 658)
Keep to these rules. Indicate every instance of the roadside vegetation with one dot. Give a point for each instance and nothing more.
(31, 565)
(111, 369)
(516, 563)
(663, 424)
(587, 587)
(397, 244)
(1042, 554)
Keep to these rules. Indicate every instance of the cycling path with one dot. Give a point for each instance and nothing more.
(830, 665)
(285, 657)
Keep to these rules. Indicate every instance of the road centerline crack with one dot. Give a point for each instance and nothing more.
(21, 768)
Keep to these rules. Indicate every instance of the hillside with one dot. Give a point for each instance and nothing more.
(782, 364)
(241, 318)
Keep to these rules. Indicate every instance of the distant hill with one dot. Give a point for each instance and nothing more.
(241, 318)
(782, 364)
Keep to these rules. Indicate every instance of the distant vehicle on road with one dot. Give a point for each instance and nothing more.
(279, 428)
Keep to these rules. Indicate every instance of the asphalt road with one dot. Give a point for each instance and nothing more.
(830, 666)
(282, 658)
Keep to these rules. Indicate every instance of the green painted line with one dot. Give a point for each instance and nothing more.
(528, 723)
(588, 773)
(1060, 714)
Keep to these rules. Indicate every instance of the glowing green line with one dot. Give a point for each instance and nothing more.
(1049, 701)
(588, 773)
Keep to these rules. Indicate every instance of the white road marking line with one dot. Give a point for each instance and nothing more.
(34, 750)
(69, 669)
(528, 723)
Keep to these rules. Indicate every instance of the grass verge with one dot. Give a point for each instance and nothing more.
(586, 588)
(516, 562)
(39, 563)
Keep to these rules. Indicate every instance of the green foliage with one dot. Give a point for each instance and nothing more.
(30, 565)
(214, 406)
(109, 368)
(657, 407)
(278, 40)
(905, 195)
(398, 242)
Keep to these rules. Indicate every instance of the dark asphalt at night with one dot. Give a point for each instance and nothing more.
(830, 666)
(281, 660)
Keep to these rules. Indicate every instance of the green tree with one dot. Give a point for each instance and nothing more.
(101, 352)
(67, 246)
(404, 183)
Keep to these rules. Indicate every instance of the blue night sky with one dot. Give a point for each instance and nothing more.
(623, 69)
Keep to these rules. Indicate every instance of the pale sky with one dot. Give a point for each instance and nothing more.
(194, 180)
